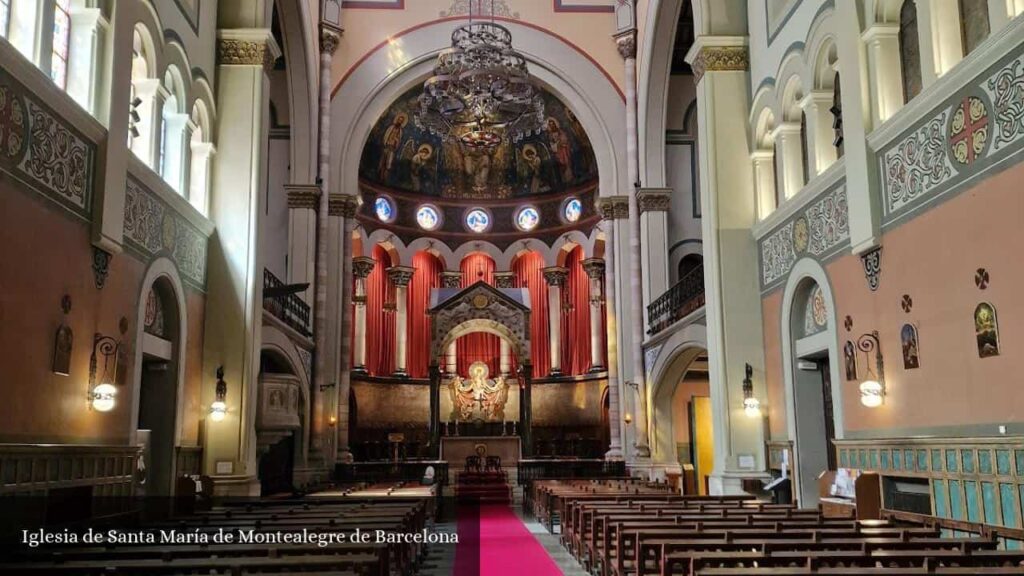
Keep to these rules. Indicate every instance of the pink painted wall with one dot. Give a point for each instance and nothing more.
(775, 387)
(47, 253)
(933, 258)
(685, 391)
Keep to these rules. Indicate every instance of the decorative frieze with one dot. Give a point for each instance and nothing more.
(153, 228)
(303, 196)
(654, 199)
(720, 59)
(247, 48)
(344, 205)
(613, 207)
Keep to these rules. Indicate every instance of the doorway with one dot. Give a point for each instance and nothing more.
(158, 389)
(815, 424)
(703, 449)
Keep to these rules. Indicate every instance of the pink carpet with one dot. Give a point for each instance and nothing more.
(494, 542)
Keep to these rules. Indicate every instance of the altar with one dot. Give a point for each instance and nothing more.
(455, 449)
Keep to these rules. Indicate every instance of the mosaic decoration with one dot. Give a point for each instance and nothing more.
(911, 350)
(39, 149)
(819, 231)
(152, 228)
(401, 155)
(815, 312)
(650, 356)
(986, 330)
(969, 133)
(154, 320)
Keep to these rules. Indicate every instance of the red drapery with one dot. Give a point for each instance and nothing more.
(529, 274)
(380, 324)
(576, 324)
(427, 276)
(478, 346)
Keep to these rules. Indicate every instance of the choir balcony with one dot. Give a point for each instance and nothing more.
(282, 301)
(682, 299)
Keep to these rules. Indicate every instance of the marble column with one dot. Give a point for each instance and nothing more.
(594, 268)
(626, 44)
(505, 280)
(821, 149)
(612, 208)
(342, 212)
(653, 204)
(361, 268)
(400, 276)
(303, 203)
(555, 277)
(451, 279)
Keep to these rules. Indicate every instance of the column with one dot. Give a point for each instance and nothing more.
(733, 309)
(361, 268)
(505, 280)
(626, 43)
(235, 286)
(303, 203)
(765, 196)
(821, 150)
(883, 54)
(607, 206)
(340, 331)
(789, 158)
(400, 277)
(452, 280)
(199, 174)
(87, 26)
(555, 277)
(653, 204)
(594, 267)
(177, 133)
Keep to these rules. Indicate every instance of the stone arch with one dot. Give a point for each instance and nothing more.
(655, 61)
(674, 357)
(277, 343)
(489, 326)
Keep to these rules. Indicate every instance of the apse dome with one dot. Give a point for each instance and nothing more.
(416, 183)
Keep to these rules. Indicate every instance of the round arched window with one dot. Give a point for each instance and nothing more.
(384, 208)
(527, 218)
(572, 210)
(478, 220)
(428, 217)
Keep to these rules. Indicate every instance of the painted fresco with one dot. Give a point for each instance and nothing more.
(399, 154)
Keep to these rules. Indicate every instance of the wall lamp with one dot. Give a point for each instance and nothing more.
(872, 390)
(219, 408)
(751, 405)
(628, 418)
(102, 392)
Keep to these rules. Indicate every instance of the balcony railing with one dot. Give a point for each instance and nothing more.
(288, 308)
(681, 299)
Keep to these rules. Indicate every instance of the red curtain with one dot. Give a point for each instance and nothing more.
(528, 269)
(427, 276)
(576, 324)
(479, 346)
(380, 323)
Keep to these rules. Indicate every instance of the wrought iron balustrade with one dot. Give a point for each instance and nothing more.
(681, 299)
(288, 308)
(563, 468)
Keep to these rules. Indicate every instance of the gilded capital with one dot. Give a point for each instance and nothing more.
(720, 59)
(247, 48)
(654, 199)
(344, 205)
(303, 196)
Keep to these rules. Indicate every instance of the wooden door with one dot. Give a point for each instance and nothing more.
(703, 441)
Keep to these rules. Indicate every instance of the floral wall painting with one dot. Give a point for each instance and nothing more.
(910, 345)
(986, 330)
(850, 360)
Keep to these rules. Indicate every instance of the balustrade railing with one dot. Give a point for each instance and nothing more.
(288, 308)
(544, 469)
(681, 299)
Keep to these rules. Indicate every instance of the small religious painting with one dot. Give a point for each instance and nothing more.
(986, 330)
(62, 350)
(908, 337)
(850, 360)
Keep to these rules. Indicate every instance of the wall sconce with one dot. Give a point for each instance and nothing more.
(751, 405)
(102, 391)
(219, 408)
(628, 418)
(872, 390)
(332, 421)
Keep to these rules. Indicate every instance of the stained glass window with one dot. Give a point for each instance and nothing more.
(478, 220)
(384, 209)
(5, 16)
(573, 210)
(61, 42)
(427, 217)
(527, 218)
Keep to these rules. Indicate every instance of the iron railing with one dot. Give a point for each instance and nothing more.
(402, 471)
(288, 308)
(542, 469)
(681, 299)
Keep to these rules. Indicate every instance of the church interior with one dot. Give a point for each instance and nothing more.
(606, 287)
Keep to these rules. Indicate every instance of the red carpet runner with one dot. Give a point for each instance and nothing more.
(494, 542)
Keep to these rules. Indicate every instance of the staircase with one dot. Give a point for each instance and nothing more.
(491, 487)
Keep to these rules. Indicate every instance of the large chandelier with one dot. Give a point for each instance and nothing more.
(481, 91)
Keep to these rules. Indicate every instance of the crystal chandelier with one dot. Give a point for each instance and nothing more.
(481, 91)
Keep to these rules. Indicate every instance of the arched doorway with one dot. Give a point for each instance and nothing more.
(281, 414)
(682, 433)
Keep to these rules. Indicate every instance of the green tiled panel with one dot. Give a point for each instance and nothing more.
(1009, 504)
(922, 460)
(985, 461)
(874, 459)
(936, 460)
(863, 459)
(939, 496)
(956, 500)
(885, 459)
(968, 460)
(1020, 462)
(1003, 462)
(908, 460)
(897, 459)
(971, 498)
(988, 498)
(951, 463)
(844, 461)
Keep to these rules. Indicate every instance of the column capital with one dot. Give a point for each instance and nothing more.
(555, 275)
(625, 42)
(451, 279)
(303, 196)
(613, 207)
(330, 36)
(344, 205)
(718, 54)
(594, 267)
(362, 266)
(247, 47)
(401, 275)
(654, 199)
(504, 279)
